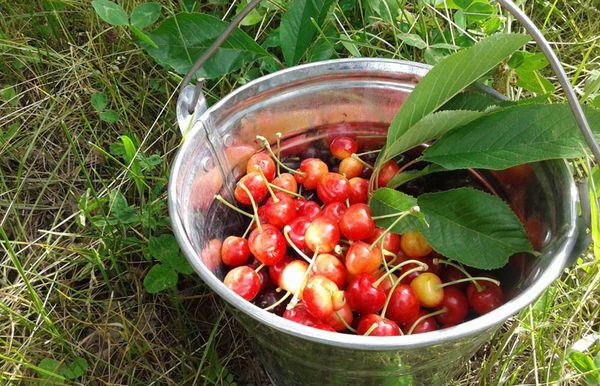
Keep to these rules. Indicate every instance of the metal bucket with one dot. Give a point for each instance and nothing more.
(307, 104)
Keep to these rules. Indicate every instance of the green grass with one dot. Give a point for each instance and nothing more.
(70, 290)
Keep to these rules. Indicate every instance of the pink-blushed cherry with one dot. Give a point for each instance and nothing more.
(280, 212)
(485, 299)
(427, 287)
(335, 210)
(300, 314)
(265, 281)
(391, 241)
(286, 181)
(308, 209)
(322, 297)
(425, 325)
(264, 162)
(360, 258)
(359, 190)
(456, 306)
(322, 233)
(351, 167)
(255, 184)
(235, 251)
(362, 295)
(387, 172)
(356, 222)
(311, 171)
(334, 319)
(333, 187)
(298, 228)
(331, 267)
(432, 266)
(244, 281)
(403, 305)
(276, 269)
(324, 327)
(386, 284)
(343, 147)
(414, 245)
(375, 325)
(292, 276)
(267, 244)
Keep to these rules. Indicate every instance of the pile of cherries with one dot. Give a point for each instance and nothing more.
(313, 254)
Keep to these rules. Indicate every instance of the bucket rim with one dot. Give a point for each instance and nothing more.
(480, 324)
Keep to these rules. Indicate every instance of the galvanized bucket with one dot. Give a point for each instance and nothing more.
(308, 103)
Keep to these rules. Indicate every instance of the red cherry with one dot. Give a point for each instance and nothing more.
(322, 233)
(244, 281)
(282, 212)
(356, 223)
(298, 228)
(489, 298)
(323, 326)
(386, 284)
(414, 245)
(385, 327)
(360, 259)
(276, 269)
(391, 241)
(255, 184)
(335, 210)
(426, 325)
(313, 169)
(292, 276)
(456, 305)
(235, 251)
(331, 267)
(300, 314)
(262, 274)
(333, 187)
(387, 172)
(359, 190)
(334, 321)
(268, 298)
(322, 297)
(363, 297)
(267, 245)
(450, 274)
(404, 305)
(351, 167)
(343, 147)
(308, 209)
(264, 163)
(286, 181)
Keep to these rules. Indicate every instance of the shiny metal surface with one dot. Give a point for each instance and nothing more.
(338, 96)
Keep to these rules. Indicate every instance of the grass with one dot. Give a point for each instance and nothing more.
(71, 287)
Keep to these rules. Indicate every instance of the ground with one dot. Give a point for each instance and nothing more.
(72, 295)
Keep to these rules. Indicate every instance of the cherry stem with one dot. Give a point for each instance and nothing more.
(266, 181)
(277, 161)
(368, 152)
(460, 268)
(389, 229)
(365, 164)
(286, 230)
(296, 297)
(341, 318)
(397, 267)
(371, 329)
(422, 318)
(423, 267)
(223, 201)
(248, 228)
(272, 306)
(257, 270)
(254, 208)
(284, 190)
(470, 279)
(278, 136)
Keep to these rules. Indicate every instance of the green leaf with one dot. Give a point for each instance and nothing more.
(9, 94)
(472, 227)
(413, 40)
(166, 250)
(120, 210)
(74, 369)
(110, 12)
(534, 82)
(402, 178)
(513, 136)
(109, 116)
(143, 37)
(159, 278)
(297, 31)
(131, 156)
(99, 101)
(527, 61)
(390, 202)
(585, 365)
(450, 76)
(471, 100)
(182, 38)
(48, 369)
(430, 127)
(145, 14)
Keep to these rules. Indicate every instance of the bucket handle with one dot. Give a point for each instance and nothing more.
(508, 5)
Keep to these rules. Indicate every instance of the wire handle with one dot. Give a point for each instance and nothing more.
(508, 5)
